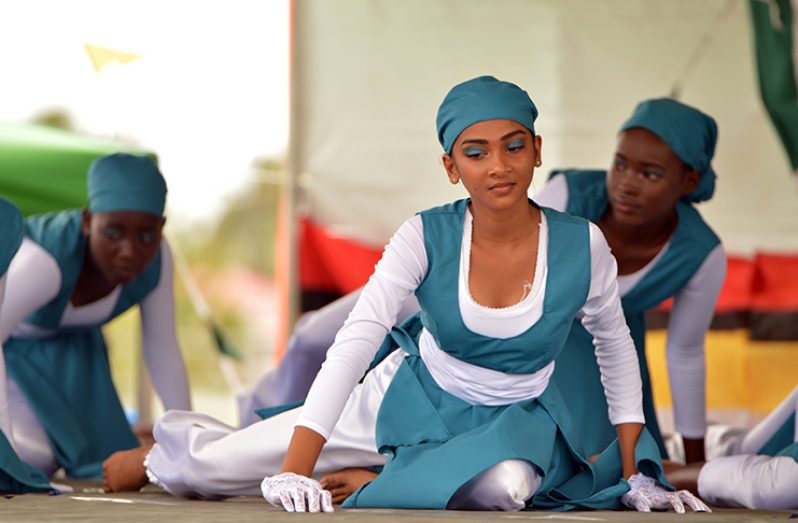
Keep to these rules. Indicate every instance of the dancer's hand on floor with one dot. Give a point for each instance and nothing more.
(295, 493)
(646, 494)
(344, 483)
(124, 470)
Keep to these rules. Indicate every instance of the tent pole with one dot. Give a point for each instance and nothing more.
(288, 252)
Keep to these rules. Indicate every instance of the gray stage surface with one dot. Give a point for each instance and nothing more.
(88, 503)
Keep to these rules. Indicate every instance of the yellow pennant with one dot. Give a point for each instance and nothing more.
(102, 56)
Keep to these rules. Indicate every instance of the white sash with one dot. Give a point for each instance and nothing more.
(479, 385)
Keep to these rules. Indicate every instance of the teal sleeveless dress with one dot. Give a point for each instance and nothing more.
(66, 377)
(15, 475)
(436, 442)
(576, 372)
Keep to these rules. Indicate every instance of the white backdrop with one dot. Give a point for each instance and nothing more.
(368, 76)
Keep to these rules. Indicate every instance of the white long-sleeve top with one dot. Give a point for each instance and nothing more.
(34, 278)
(693, 308)
(400, 271)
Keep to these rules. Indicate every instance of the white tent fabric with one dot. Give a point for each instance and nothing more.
(368, 76)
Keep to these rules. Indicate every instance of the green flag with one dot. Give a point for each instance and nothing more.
(774, 36)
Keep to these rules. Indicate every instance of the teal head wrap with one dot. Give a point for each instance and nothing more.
(124, 182)
(11, 230)
(689, 133)
(479, 99)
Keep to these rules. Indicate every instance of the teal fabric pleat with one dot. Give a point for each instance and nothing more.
(577, 365)
(268, 412)
(67, 381)
(579, 378)
(790, 450)
(781, 439)
(16, 476)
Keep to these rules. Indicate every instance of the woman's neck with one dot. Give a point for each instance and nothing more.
(92, 284)
(651, 234)
(635, 246)
(503, 255)
(507, 226)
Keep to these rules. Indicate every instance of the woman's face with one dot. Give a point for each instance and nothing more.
(122, 243)
(495, 160)
(646, 178)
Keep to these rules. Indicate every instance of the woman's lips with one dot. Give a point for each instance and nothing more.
(125, 273)
(625, 207)
(501, 188)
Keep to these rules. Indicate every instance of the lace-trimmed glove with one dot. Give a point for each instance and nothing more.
(646, 494)
(295, 493)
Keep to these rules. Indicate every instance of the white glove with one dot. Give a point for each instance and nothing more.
(646, 494)
(295, 493)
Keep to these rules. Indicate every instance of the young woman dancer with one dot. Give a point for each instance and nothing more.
(75, 271)
(644, 206)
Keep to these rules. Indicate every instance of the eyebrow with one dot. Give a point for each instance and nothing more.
(644, 163)
(118, 225)
(481, 141)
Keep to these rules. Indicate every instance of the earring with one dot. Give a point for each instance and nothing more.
(538, 163)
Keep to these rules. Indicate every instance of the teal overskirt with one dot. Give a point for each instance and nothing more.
(436, 442)
(67, 381)
(577, 375)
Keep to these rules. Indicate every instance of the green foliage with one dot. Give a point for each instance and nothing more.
(245, 234)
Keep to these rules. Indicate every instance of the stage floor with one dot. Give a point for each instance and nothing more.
(89, 504)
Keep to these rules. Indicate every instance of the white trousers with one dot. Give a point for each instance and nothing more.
(30, 439)
(196, 455)
(735, 477)
(750, 481)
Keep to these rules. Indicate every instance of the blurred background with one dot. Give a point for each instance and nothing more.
(202, 85)
(296, 136)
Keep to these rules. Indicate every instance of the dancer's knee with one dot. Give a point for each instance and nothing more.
(777, 485)
(507, 486)
(752, 481)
